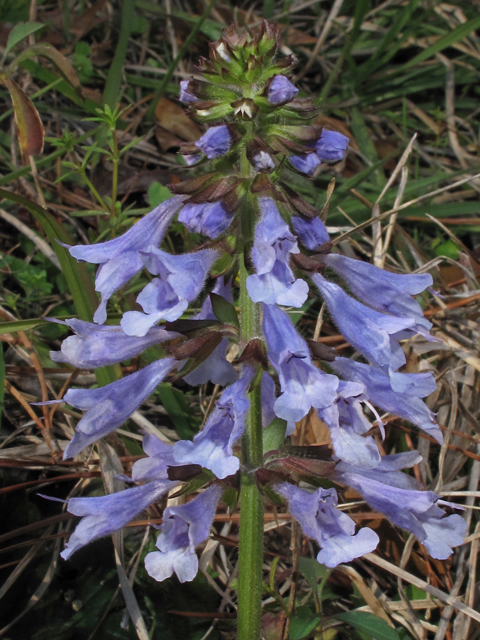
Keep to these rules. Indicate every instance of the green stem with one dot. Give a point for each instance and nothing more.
(250, 562)
(115, 158)
(114, 78)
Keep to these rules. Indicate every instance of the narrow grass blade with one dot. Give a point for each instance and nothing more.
(447, 40)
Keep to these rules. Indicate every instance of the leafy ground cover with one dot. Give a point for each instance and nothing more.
(401, 80)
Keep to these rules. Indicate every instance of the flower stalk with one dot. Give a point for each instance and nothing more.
(250, 559)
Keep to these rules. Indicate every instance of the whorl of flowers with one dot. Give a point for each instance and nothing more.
(240, 197)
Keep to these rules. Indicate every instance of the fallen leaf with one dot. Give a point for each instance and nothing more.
(166, 139)
(29, 126)
(173, 119)
(56, 58)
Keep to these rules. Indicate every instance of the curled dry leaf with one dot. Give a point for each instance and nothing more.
(29, 126)
(61, 63)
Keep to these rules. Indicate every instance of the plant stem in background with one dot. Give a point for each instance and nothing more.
(163, 85)
(114, 78)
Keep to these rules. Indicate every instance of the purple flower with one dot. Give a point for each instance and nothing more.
(120, 258)
(185, 96)
(184, 527)
(104, 515)
(210, 219)
(262, 161)
(180, 280)
(216, 367)
(332, 146)
(384, 291)
(348, 426)
(306, 164)
(281, 90)
(406, 404)
(108, 407)
(389, 491)
(369, 331)
(216, 142)
(274, 282)
(333, 530)
(96, 345)
(212, 448)
(303, 385)
(312, 233)
(155, 466)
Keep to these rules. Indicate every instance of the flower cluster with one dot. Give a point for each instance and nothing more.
(254, 219)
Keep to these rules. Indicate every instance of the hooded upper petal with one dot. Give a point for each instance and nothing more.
(212, 448)
(209, 218)
(312, 233)
(303, 385)
(406, 404)
(96, 345)
(333, 530)
(180, 280)
(120, 257)
(104, 515)
(389, 491)
(274, 282)
(155, 465)
(367, 330)
(348, 427)
(384, 291)
(108, 407)
(184, 527)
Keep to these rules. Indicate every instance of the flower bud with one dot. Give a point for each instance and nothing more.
(280, 90)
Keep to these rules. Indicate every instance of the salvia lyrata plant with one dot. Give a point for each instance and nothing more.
(266, 249)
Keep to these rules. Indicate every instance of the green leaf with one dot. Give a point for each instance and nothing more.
(303, 623)
(374, 627)
(448, 249)
(446, 41)
(21, 325)
(178, 410)
(20, 32)
(274, 435)
(158, 193)
(224, 310)
(32, 278)
(195, 484)
(312, 571)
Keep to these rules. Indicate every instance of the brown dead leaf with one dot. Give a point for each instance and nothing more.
(92, 17)
(173, 119)
(166, 139)
(316, 431)
(294, 37)
(29, 126)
